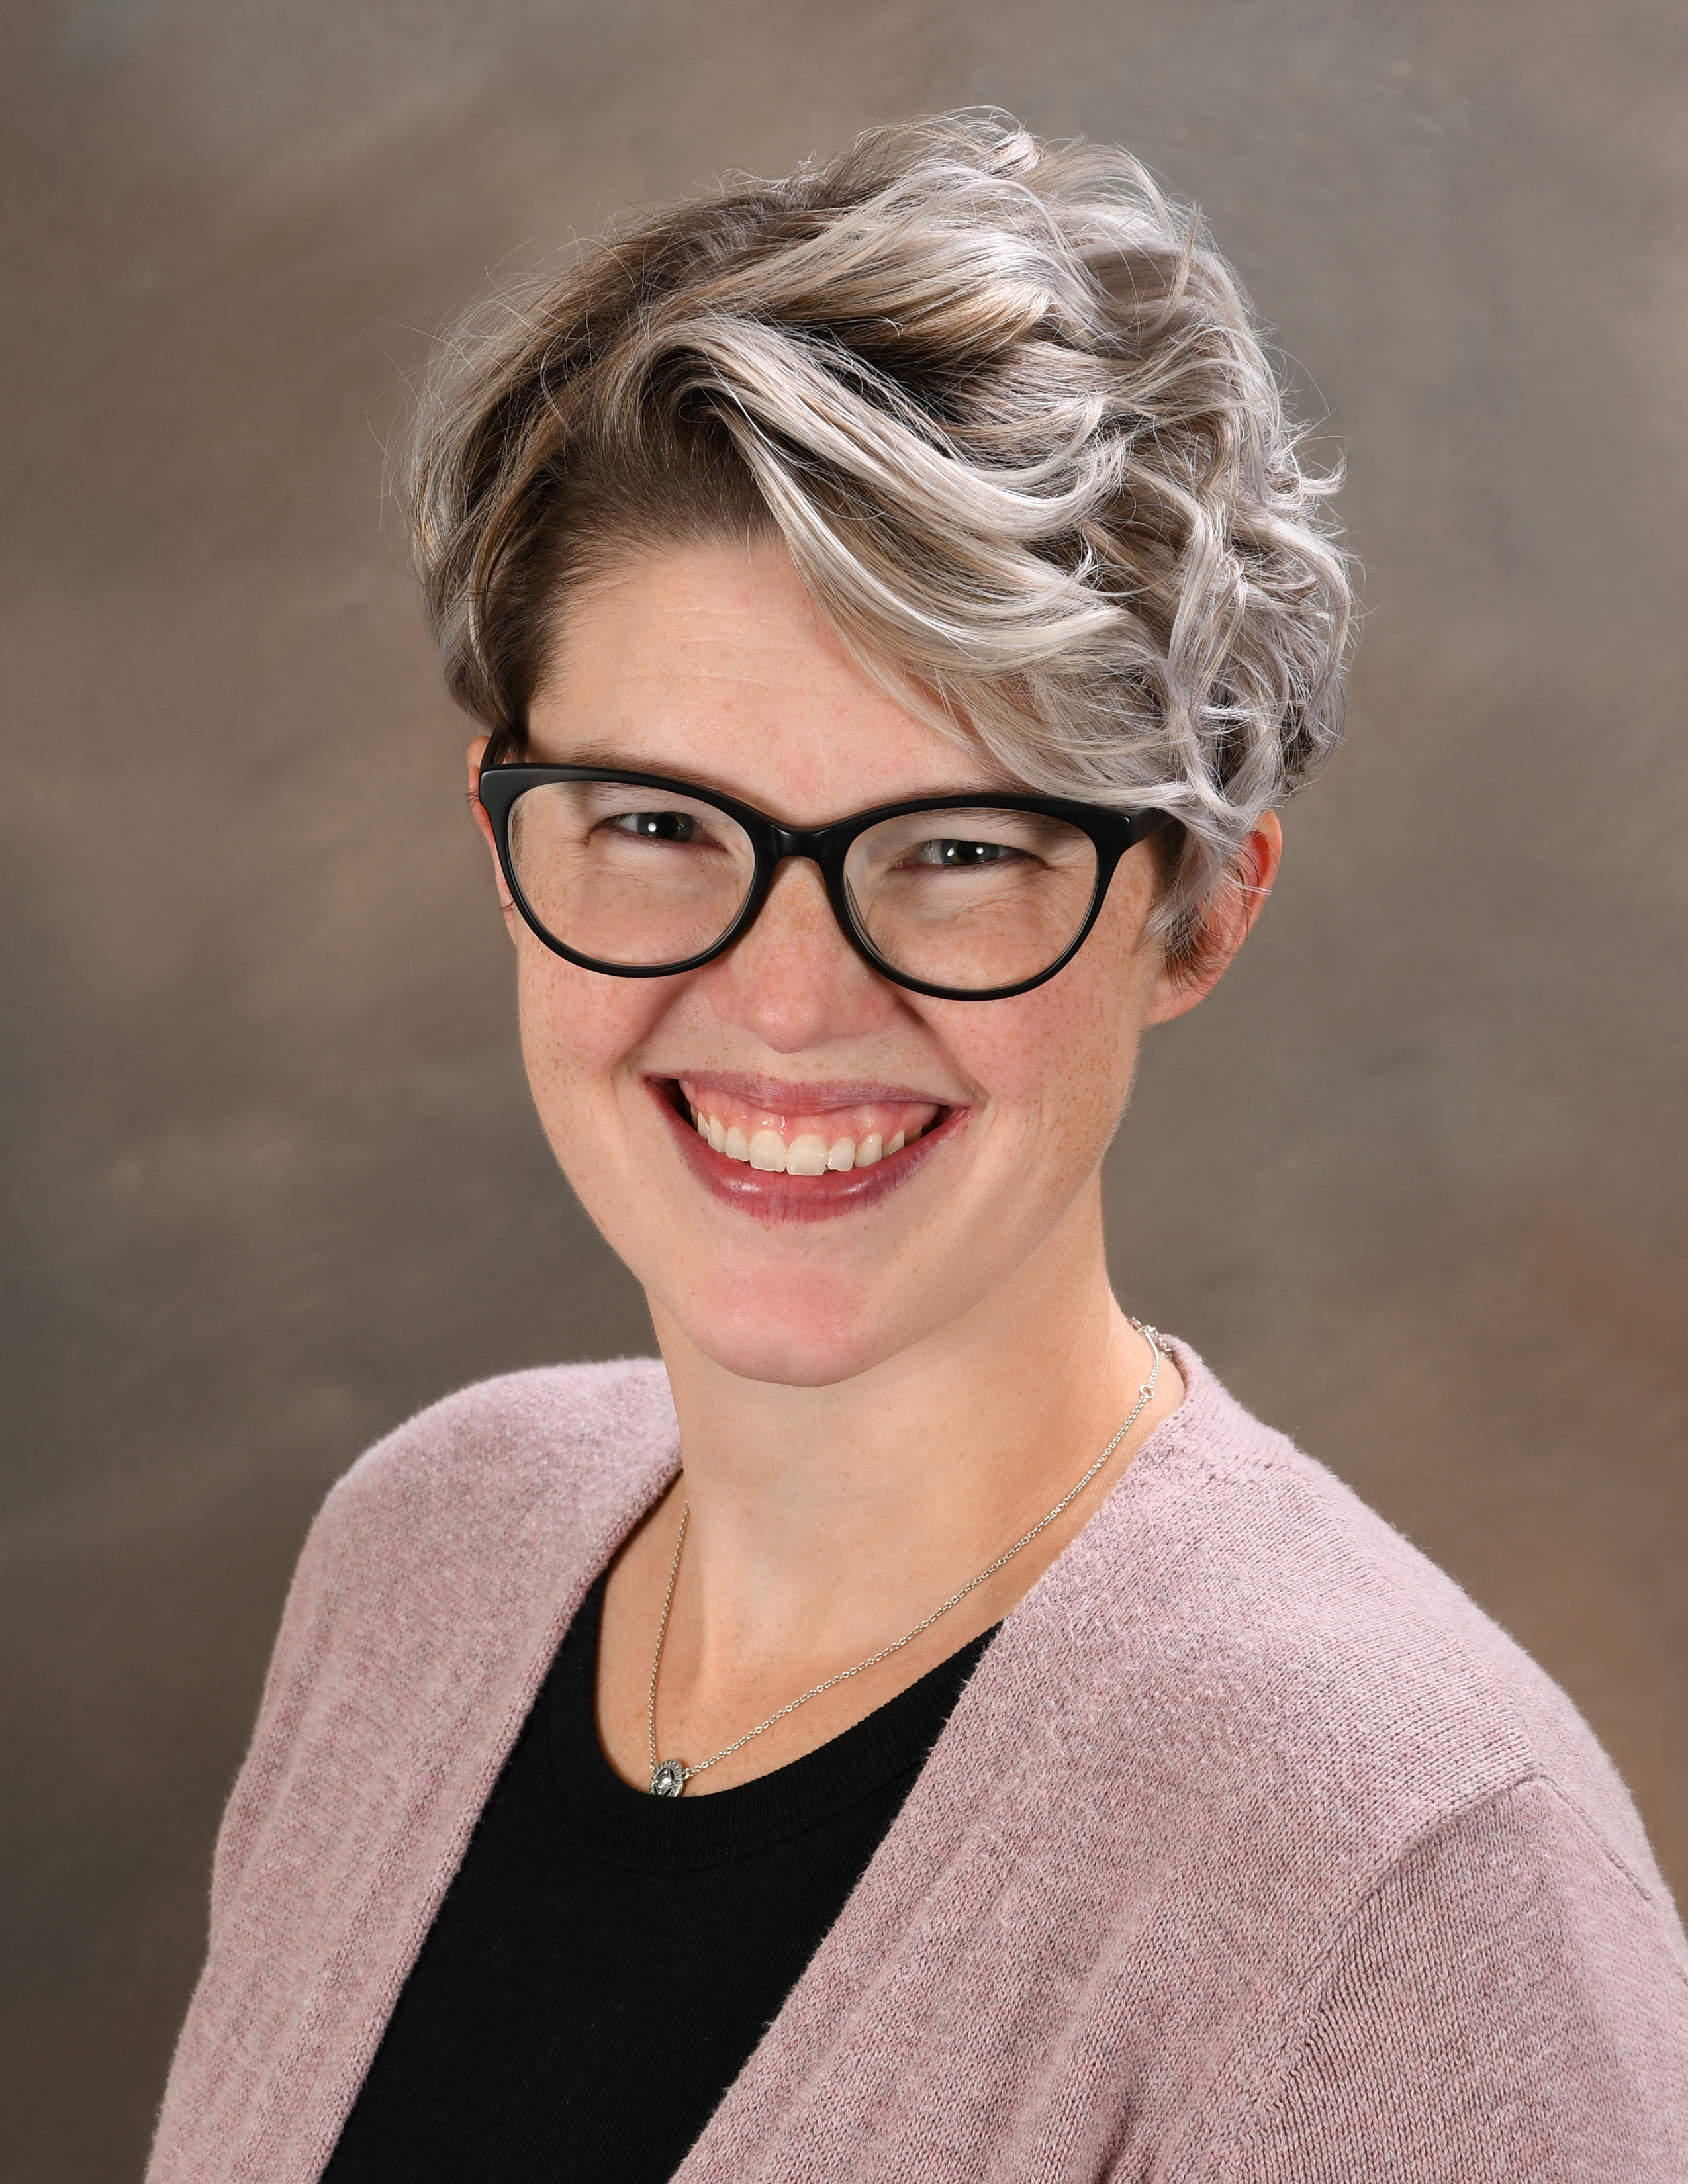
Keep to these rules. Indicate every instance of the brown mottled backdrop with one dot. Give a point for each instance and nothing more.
(1413, 1179)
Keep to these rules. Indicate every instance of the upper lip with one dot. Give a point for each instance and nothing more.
(817, 1097)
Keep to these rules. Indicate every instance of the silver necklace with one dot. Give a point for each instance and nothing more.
(669, 1777)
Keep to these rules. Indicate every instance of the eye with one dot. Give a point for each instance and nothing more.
(950, 855)
(656, 826)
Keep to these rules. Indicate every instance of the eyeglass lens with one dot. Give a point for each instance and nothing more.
(970, 898)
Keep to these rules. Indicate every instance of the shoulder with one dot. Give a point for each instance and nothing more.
(455, 1550)
(497, 1488)
(430, 1598)
(585, 1432)
(1317, 1676)
(1508, 1984)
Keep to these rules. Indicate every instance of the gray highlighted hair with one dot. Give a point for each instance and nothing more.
(1010, 413)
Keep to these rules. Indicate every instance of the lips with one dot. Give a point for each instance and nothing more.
(801, 1152)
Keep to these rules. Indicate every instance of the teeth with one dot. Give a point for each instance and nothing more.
(761, 1140)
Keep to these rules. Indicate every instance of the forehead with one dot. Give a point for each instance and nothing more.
(712, 662)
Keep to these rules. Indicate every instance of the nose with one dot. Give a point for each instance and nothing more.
(794, 980)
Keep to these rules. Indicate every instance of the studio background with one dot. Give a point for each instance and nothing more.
(1413, 1179)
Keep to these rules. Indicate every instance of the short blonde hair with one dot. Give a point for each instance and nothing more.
(1008, 410)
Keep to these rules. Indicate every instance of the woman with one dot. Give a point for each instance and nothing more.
(922, 1728)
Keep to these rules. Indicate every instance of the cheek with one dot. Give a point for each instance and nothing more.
(576, 1028)
(1060, 1058)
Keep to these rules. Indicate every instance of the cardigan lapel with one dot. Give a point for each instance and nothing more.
(410, 1656)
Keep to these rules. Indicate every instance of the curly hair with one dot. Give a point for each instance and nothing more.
(1009, 411)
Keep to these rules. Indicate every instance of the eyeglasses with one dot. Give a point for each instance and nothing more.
(970, 898)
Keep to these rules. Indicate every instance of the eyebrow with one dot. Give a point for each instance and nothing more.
(614, 757)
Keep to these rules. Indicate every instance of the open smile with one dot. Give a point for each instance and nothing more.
(802, 1152)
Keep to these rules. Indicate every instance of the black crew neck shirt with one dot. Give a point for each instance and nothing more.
(605, 1961)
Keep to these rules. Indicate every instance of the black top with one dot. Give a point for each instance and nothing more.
(604, 1961)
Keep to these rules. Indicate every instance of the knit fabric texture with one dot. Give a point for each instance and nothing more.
(1251, 1852)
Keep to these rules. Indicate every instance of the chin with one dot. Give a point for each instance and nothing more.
(782, 1344)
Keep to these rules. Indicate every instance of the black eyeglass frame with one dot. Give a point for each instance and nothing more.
(1112, 833)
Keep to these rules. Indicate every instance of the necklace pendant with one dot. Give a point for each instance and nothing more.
(669, 1779)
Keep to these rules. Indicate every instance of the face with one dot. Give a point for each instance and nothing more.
(911, 1160)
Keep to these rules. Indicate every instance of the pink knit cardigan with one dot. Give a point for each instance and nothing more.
(1251, 1852)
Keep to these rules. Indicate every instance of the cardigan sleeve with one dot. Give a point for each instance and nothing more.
(1508, 2007)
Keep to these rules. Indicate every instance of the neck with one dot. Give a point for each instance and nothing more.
(848, 1509)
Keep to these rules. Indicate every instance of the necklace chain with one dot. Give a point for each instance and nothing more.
(669, 1777)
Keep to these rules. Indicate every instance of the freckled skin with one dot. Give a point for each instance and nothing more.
(956, 1296)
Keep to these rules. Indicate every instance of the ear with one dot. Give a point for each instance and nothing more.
(477, 751)
(1228, 924)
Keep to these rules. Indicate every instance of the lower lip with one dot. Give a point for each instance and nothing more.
(769, 1195)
